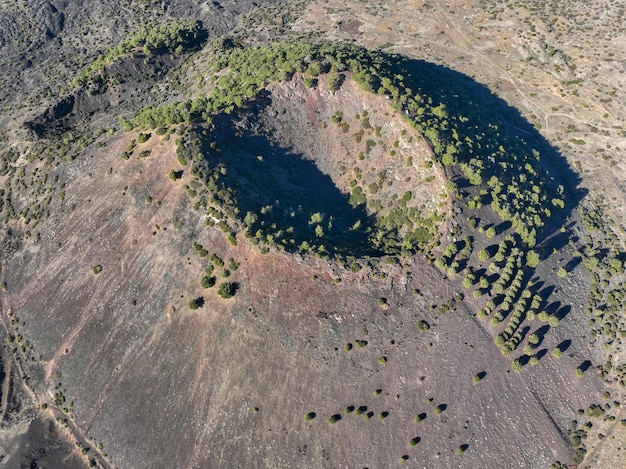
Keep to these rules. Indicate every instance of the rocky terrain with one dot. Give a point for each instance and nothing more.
(302, 256)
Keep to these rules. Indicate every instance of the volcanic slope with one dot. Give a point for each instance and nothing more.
(193, 286)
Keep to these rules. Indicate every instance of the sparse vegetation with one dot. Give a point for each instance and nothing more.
(496, 231)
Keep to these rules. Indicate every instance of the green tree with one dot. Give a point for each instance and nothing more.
(468, 281)
(334, 81)
(532, 259)
(196, 303)
(207, 282)
(227, 289)
(482, 255)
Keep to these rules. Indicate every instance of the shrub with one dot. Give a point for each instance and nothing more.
(196, 303)
(334, 81)
(96, 269)
(217, 261)
(232, 265)
(175, 175)
(143, 137)
(382, 360)
(310, 416)
(207, 282)
(423, 326)
(334, 418)
(579, 373)
(227, 289)
(595, 410)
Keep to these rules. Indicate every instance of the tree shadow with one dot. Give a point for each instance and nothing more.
(492, 278)
(541, 333)
(553, 307)
(502, 227)
(553, 243)
(541, 353)
(498, 299)
(572, 264)
(524, 332)
(480, 272)
(562, 312)
(563, 346)
(545, 294)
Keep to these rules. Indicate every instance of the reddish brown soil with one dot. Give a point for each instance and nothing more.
(160, 385)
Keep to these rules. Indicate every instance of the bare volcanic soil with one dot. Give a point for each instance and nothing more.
(310, 364)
